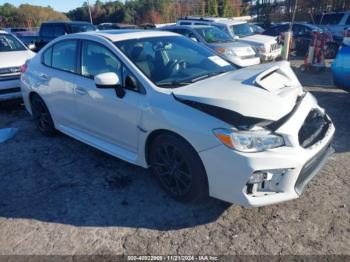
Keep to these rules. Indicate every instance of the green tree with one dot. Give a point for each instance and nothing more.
(227, 10)
(212, 8)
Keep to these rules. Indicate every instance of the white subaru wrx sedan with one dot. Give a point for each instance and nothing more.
(251, 136)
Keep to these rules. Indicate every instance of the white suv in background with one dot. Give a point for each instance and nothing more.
(13, 54)
(265, 46)
(156, 99)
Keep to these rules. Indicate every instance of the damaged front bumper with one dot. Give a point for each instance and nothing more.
(272, 176)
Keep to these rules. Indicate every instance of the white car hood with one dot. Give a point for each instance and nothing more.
(266, 91)
(14, 58)
(259, 39)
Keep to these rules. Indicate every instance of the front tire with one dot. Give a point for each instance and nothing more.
(41, 116)
(178, 168)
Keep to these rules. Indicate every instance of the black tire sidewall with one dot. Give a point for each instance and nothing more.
(199, 186)
(50, 130)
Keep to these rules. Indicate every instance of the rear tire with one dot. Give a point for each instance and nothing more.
(178, 168)
(41, 116)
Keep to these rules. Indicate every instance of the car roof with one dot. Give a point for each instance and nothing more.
(297, 23)
(221, 20)
(186, 26)
(3, 32)
(125, 34)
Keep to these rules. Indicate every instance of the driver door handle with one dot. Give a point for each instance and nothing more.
(80, 91)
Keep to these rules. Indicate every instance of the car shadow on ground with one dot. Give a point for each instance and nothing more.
(60, 180)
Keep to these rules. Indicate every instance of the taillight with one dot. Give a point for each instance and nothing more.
(24, 68)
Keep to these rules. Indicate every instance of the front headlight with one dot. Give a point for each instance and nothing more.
(226, 51)
(248, 141)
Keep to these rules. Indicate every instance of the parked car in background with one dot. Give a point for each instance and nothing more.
(156, 99)
(265, 46)
(302, 36)
(341, 67)
(240, 54)
(257, 28)
(13, 55)
(108, 26)
(53, 29)
(29, 38)
(15, 30)
(335, 22)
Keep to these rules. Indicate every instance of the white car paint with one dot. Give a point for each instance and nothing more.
(121, 126)
(10, 79)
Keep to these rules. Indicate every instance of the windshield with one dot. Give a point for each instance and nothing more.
(242, 30)
(213, 35)
(77, 28)
(9, 43)
(173, 61)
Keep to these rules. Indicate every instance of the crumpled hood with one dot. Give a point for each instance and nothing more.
(14, 58)
(259, 39)
(267, 91)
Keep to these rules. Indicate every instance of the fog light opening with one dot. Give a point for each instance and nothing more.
(261, 181)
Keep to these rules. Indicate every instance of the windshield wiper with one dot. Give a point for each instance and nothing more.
(173, 83)
(207, 76)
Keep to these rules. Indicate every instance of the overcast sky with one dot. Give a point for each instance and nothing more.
(59, 5)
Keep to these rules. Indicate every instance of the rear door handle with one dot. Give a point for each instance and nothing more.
(44, 77)
(80, 91)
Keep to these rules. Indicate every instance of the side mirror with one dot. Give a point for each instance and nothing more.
(194, 39)
(236, 37)
(110, 80)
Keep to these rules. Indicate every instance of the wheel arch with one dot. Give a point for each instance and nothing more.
(30, 97)
(156, 133)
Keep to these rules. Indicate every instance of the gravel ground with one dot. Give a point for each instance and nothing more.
(59, 196)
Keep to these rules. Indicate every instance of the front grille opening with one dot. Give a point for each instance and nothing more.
(314, 128)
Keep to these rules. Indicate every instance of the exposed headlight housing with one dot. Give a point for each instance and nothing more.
(248, 141)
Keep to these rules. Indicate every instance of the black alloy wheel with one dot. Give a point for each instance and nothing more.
(41, 116)
(178, 168)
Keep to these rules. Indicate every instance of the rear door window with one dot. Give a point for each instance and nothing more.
(64, 56)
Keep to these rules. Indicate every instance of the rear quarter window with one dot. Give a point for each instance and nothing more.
(47, 57)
